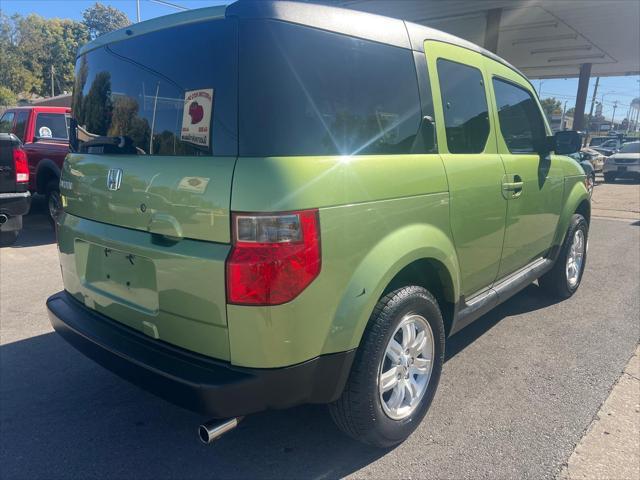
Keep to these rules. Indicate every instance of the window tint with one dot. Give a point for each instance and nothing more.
(464, 102)
(310, 92)
(21, 124)
(52, 125)
(6, 122)
(521, 123)
(168, 92)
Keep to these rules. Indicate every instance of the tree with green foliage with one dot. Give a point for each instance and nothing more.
(550, 105)
(100, 19)
(7, 97)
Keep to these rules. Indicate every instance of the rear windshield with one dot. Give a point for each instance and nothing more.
(169, 92)
(311, 92)
(52, 125)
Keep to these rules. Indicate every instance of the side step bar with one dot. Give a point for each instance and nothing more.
(472, 309)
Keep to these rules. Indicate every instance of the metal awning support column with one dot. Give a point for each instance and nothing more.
(492, 29)
(581, 98)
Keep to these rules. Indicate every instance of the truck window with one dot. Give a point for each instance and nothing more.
(464, 102)
(51, 125)
(6, 122)
(520, 120)
(308, 92)
(167, 92)
(20, 127)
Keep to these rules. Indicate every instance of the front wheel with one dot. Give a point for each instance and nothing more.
(591, 183)
(396, 370)
(564, 278)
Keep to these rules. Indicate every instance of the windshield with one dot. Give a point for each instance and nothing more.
(633, 147)
(169, 92)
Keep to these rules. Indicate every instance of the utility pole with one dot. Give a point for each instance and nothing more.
(138, 10)
(593, 101)
(613, 116)
(564, 109)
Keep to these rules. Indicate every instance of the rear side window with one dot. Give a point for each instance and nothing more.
(310, 92)
(52, 125)
(167, 92)
(6, 122)
(520, 119)
(21, 124)
(464, 102)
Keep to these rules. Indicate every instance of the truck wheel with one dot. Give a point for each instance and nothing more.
(564, 278)
(609, 178)
(54, 202)
(591, 183)
(396, 370)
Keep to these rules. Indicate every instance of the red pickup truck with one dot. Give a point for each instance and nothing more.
(44, 132)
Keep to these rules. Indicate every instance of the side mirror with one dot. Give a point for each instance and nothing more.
(566, 142)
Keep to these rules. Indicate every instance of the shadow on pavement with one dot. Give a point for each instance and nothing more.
(36, 227)
(63, 416)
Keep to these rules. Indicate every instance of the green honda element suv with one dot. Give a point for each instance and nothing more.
(278, 203)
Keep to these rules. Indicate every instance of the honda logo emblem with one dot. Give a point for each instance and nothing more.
(114, 178)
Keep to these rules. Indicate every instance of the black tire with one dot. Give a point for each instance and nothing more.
(592, 186)
(359, 412)
(8, 238)
(54, 203)
(555, 282)
(609, 178)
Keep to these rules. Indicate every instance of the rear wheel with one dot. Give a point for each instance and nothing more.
(564, 278)
(591, 183)
(54, 202)
(396, 370)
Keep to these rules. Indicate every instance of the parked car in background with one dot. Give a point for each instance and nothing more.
(623, 164)
(14, 187)
(44, 133)
(583, 159)
(361, 188)
(596, 158)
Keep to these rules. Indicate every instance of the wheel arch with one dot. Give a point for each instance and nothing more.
(432, 265)
(45, 172)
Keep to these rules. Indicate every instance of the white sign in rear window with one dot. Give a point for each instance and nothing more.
(196, 116)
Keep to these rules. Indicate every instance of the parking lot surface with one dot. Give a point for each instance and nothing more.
(519, 388)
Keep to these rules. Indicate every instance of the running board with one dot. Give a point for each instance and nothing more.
(469, 310)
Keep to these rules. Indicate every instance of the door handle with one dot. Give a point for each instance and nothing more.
(513, 188)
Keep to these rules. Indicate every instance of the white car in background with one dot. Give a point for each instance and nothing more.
(594, 157)
(623, 164)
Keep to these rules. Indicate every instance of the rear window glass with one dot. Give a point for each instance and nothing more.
(464, 101)
(6, 122)
(52, 125)
(21, 124)
(310, 92)
(169, 92)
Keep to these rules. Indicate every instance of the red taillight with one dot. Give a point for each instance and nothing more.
(20, 165)
(274, 257)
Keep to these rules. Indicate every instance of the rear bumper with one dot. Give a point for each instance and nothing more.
(198, 383)
(15, 204)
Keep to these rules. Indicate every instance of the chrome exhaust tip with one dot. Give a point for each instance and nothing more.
(3, 219)
(210, 431)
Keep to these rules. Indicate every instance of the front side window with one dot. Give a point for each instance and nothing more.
(520, 119)
(310, 92)
(6, 122)
(464, 101)
(52, 125)
(167, 92)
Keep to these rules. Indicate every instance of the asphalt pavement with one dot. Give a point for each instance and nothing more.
(519, 389)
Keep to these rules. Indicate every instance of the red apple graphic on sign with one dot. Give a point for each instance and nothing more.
(196, 112)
